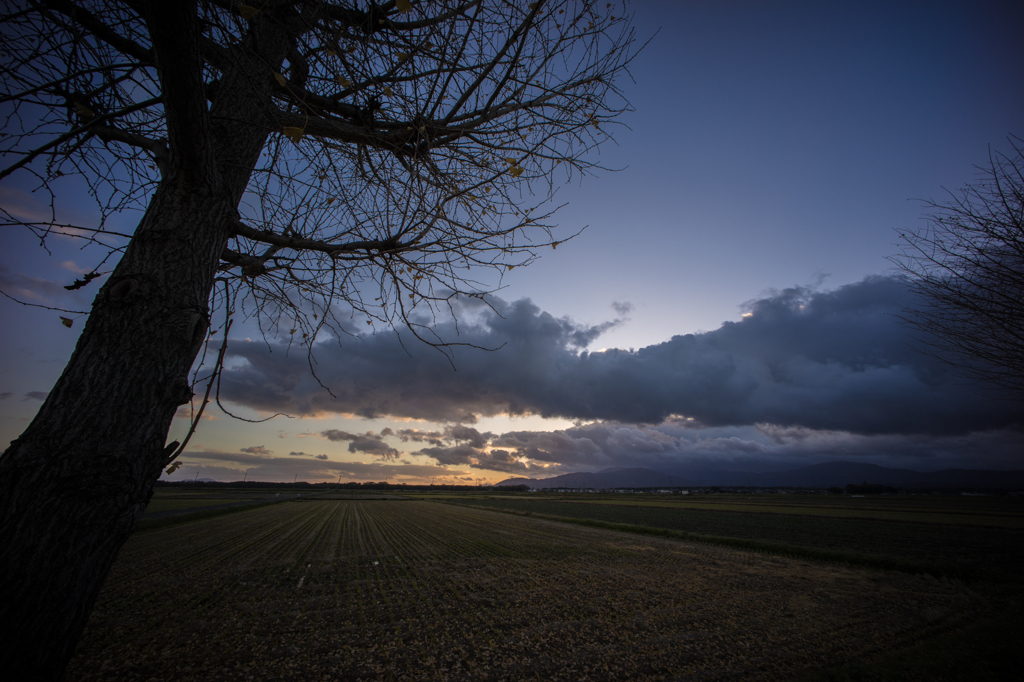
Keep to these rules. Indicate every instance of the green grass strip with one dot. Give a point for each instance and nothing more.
(776, 548)
(146, 525)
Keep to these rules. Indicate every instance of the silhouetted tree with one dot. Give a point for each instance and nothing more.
(967, 267)
(293, 161)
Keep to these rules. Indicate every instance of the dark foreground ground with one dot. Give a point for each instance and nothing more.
(405, 589)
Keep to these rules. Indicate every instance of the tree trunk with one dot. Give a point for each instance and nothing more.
(74, 484)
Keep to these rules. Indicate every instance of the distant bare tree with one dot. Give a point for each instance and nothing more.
(312, 164)
(967, 267)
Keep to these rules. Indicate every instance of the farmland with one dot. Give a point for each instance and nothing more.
(404, 589)
(165, 502)
(981, 537)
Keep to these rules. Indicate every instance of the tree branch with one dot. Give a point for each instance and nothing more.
(174, 29)
(370, 22)
(30, 156)
(91, 23)
(390, 245)
(158, 148)
(217, 369)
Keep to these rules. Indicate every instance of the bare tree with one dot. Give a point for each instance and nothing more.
(967, 268)
(305, 163)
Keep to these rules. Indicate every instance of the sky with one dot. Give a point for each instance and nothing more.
(731, 301)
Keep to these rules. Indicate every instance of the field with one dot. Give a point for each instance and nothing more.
(177, 500)
(973, 537)
(404, 589)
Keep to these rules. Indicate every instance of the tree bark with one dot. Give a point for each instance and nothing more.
(74, 484)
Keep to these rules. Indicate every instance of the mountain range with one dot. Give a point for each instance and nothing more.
(829, 474)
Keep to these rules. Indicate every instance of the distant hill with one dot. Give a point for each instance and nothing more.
(829, 474)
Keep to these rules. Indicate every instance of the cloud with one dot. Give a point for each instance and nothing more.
(36, 395)
(257, 450)
(374, 444)
(676, 446)
(469, 447)
(837, 361)
(74, 267)
(6, 394)
(335, 434)
(418, 436)
(60, 221)
(368, 442)
(459, 454)
(318, 457)
(467, 434)
(230, 466)
(36, 290)
(466, 455)
(21, 205)
(623, 309)
(377, 375)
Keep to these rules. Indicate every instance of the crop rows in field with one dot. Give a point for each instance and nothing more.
(416, 590)
(983, 551)
(176, 504)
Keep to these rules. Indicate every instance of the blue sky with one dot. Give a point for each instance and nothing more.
(775, 152)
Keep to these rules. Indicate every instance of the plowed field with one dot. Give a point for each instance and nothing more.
(404, 590)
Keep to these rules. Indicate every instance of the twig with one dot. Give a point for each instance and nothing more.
(206, 398)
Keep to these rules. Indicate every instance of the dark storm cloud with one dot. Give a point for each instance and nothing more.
(378, 375)
(676, 446)
(833, 361)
